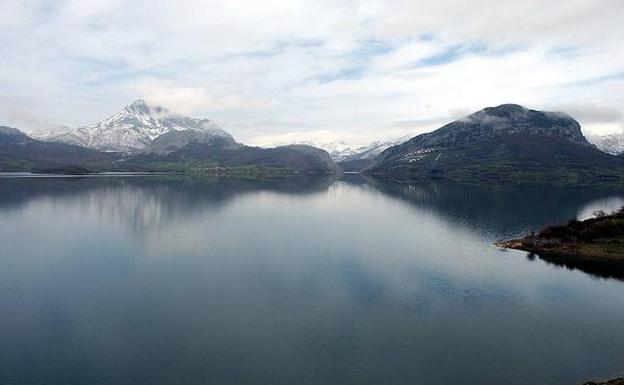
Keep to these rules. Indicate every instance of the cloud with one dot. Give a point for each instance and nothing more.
(21, 114)
(592, 113)
(184, 100)
(596, 119)
(352, 68)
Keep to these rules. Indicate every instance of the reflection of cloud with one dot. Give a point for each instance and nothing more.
(591, 113)
(597, 119)
(607, 204)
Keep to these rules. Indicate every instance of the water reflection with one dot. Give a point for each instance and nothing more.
(144, 203)
(502, 210)
(150, 205)
(162, 280)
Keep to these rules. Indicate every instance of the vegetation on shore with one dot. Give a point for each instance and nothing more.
(209, 167)
(239, 172)
(64, 170)
(599, 240)
(189, 167)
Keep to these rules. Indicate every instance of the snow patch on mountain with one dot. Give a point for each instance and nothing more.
(612, 144)
(375, 148)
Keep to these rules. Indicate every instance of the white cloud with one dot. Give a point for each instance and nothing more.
(346, 69)
(184, 100)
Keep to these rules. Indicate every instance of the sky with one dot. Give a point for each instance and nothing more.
(328, 70)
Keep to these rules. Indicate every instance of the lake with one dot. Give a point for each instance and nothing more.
(174, 280)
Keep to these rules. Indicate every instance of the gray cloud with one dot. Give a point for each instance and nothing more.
(20, 114)
(591, 113)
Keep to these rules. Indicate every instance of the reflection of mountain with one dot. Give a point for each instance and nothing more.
(504, 212)
(144, 202)
(596, 268)
(501, 211)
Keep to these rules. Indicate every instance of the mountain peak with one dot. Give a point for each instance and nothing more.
(140, 106)
(506, 109)
(138, 103)
(514, 118)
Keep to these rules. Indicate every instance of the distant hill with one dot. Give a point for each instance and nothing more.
(19, 152)
(504, 144)
(349, 156)
(341, 151)
(173, 141)
(222, 152)
(181, 151)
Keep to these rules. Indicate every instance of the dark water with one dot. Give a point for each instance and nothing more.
(157, 280)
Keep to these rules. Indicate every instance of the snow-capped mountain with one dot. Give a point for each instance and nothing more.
(341, 150)
(132, 129)
(337, 148)
(373, 149)
(612, 144)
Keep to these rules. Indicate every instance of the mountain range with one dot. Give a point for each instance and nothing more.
(142, 137)
(341, 150)
(504, 144)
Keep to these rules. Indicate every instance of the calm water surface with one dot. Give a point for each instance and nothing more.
(163, 280)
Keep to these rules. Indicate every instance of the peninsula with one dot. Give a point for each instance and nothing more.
(597, 242)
